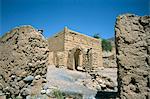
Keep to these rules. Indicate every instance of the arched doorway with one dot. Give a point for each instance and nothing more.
(77, 58)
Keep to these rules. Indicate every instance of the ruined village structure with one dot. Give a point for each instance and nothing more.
(75, 51)
(133, 56)
(23, 55)
(26, 60)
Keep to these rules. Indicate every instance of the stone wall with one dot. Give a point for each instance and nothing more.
(76, 40)
(56, 43)
(73, 39)
(23, 58)
(133, 56)
(64, 45)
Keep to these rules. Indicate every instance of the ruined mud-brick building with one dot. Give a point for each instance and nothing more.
(133, 56)
(23, 56)
(75, 51)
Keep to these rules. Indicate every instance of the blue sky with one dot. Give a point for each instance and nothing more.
(85, 16)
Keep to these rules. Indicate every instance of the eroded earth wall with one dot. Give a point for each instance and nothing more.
(133, 56)
(23, 56)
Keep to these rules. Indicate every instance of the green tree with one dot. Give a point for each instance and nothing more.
(96, 36)
(106, 45)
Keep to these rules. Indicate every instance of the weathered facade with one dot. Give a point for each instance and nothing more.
(73, 50)
(23, 56)
(133, 56)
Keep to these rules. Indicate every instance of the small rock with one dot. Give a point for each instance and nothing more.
(32, 84)
(43, 91)
(1, 86)
(21, 84)
(108, 90)
(45, 87)
(103, 86)
(115, 89)
(19, 78)
(44, 81)
(28, 78)
(99, 80)
(37, 77)
(25, 92)
(80, 68)
(98, 87)
(7, 89)
(30, 64)
(132, 87)
(23, 74)
(7, 93)
(13, 84)
(109, 85)
(13, 76)
(12, 90)
(1, 77)
(49, 92)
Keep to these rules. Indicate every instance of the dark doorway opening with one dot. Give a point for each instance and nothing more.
(76, 58)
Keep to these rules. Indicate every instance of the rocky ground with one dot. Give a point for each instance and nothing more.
(72, 84)
(110, 73)
(77, 83)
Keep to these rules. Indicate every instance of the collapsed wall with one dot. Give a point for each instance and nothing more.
(133, 56)
(23, 56)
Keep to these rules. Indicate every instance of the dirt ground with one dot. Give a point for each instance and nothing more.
(69, 81)
(110, 73)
